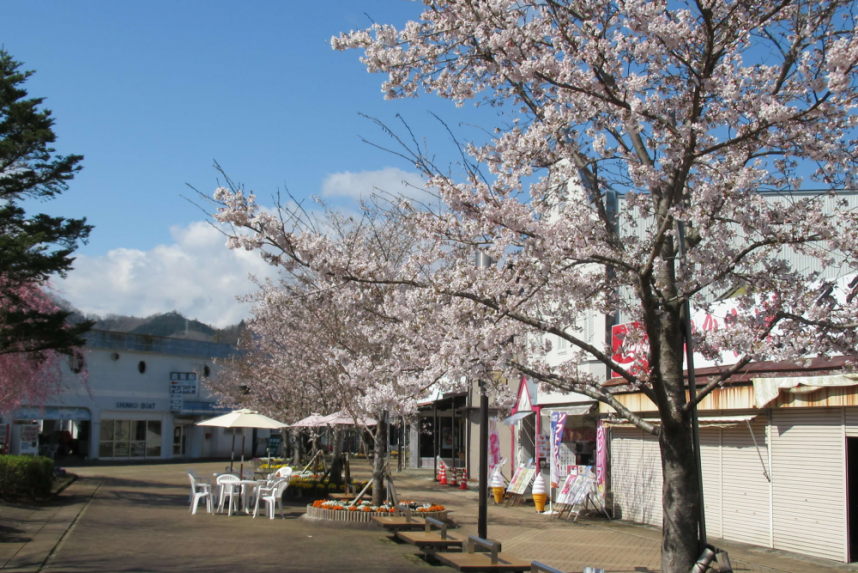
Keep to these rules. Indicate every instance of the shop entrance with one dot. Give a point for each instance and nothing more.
(852, 495)
(180, 439)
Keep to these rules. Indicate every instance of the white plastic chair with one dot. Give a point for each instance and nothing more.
(200, 491)
(272, 496)
(201, 480)
(284, 472)
(229, 487)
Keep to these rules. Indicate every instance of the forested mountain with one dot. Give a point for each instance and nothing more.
(171, 324)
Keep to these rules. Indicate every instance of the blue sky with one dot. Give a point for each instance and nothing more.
(151, 93)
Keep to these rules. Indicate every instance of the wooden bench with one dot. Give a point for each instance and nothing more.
(432, 540)
(493, 560)
(399, 523)
(405, 521)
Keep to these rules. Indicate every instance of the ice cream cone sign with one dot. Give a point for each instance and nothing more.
(539, 493)
(498, 487)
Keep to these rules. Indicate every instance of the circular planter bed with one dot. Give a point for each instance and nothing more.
(360, 516)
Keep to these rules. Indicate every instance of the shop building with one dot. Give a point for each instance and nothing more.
(142, 397)
(447, 428)
(779, 452)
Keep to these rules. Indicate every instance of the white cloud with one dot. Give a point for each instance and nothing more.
(389, 180)
(196, 276)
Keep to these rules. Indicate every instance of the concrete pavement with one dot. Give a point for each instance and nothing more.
(134, 518)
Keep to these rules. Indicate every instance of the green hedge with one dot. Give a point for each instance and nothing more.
(26, 476)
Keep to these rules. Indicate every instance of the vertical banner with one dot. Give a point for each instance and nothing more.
(601, 456)
(494, 445)
(558, 424)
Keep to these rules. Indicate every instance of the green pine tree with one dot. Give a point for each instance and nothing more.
(33, 248)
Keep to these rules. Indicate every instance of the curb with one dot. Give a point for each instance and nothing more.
(35, 555)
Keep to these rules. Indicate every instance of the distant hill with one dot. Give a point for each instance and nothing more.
(171, 324)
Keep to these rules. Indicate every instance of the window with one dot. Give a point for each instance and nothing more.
(562, 345)
(153, 439)
(76, 362)
(130, 439)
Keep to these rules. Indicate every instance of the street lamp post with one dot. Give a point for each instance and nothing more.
(483, 262)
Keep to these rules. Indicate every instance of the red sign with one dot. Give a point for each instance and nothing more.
(629, 347)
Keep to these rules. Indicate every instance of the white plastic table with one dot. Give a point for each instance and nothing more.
(247, 486)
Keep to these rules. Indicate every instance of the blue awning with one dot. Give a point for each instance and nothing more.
(52, 413)
(193, 407)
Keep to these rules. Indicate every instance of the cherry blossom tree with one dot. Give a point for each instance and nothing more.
(29, 373)
(319, 344)
(646, 154)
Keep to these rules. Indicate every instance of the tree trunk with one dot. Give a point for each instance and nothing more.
(680, 499)
(337, 462)
(680, 490)
(295, 441)
(379, 457)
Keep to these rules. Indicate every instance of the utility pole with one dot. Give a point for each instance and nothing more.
(692, 393)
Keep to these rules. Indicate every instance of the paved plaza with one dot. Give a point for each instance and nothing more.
(134, 518)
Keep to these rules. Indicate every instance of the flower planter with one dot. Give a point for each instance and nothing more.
(362, 517)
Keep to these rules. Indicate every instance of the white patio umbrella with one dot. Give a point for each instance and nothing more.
(242, 419)
(343, 418)
(312, 421)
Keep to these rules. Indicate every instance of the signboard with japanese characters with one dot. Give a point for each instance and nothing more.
(183, 382)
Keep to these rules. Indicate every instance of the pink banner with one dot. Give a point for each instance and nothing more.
(494, 445)
(601, 456)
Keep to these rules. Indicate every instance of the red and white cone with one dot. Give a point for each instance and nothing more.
(442, 475)
(463, 483)
(452, 480)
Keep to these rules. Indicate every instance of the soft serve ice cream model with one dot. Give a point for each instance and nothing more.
(539, 493)
(498, 486)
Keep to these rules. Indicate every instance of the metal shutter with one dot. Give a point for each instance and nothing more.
(710, 459)
(808, 472)
(745, 510)
(851, 422)
(636, 480)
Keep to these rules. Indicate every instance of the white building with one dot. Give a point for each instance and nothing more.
(141, 400)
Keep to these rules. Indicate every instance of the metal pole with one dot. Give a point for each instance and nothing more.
(232, 457)
(453, 434)
(435, 439)
(484, 461)
(483, 261)
(692, 394)
(469, 429)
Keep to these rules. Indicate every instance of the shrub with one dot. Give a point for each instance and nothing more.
(26, 476)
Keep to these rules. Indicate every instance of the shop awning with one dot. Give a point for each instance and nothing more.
(517, 417)
(573, 410)
(767, 389)
(704, 421)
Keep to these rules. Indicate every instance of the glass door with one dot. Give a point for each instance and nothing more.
(180, 439)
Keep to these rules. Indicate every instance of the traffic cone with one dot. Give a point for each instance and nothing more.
(463, 483)
(453, 475)
(442, 475)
